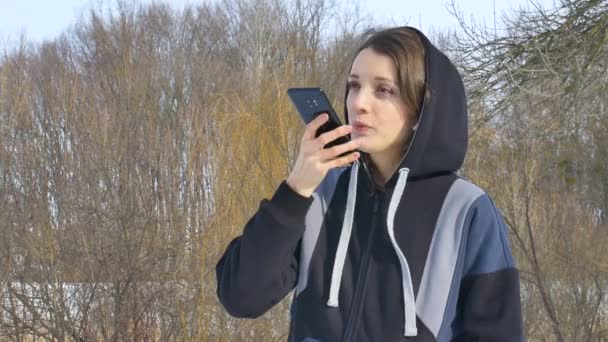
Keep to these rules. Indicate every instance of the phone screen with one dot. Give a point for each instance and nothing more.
(311, 102)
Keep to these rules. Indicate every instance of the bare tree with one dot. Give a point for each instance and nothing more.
(133, 148)
(538, 98)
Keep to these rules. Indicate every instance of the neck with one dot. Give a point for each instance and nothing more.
(385, 165)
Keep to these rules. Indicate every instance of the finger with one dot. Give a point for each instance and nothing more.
(343, 161)
(313, 126)
(330, 136)
(332, 152)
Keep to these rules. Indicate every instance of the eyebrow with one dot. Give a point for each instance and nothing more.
(377, 78)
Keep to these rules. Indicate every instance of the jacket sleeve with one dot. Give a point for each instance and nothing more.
(489, 305)
(260, 267)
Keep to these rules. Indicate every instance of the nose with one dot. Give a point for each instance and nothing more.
(359, 100)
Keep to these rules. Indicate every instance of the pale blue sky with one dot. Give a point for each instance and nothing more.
(44, 19)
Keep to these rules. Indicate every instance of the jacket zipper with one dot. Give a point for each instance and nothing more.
(355, 311)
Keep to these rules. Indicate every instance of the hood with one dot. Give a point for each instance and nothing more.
(440, 138)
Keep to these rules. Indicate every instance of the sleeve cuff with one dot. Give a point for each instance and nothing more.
(290, 202)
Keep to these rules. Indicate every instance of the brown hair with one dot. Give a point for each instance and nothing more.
(404, 46)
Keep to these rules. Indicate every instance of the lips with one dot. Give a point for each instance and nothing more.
(361, 128)
(360, 125)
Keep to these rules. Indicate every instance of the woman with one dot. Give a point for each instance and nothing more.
(395, 247)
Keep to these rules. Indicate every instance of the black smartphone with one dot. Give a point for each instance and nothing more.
(310, 103)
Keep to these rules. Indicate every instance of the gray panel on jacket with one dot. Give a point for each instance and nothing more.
(314, 220)
(443, 254)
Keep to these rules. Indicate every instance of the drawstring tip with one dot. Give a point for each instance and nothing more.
(411, 332)
(332, 303)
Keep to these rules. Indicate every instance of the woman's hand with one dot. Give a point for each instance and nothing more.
(314, 161)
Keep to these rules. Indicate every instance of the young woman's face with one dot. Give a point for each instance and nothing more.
(381, 121)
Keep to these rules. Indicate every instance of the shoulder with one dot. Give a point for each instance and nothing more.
(464, 195)
(487, 243)
(481, 206)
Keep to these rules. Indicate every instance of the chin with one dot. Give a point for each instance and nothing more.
(367, 145)
(367, 148)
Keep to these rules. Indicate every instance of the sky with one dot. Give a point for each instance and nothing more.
(45, 20)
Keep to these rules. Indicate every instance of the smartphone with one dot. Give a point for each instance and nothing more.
(310, 103)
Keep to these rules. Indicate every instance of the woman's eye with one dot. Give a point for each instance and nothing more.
(385, 91)
(353, 85)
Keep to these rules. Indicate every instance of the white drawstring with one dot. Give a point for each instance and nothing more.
(347, 227)
(409, 302)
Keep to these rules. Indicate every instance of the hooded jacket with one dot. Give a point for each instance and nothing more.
(427, 258)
